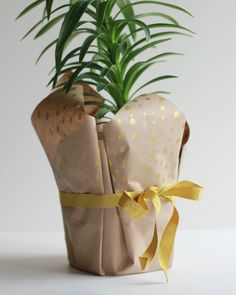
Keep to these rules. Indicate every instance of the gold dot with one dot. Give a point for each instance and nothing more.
(162, 163)
(154, 122)
(154, 113)
(121, 136)
(118, 122)
(148, 170)
(131, 115)
(97, 162)
(117, 171)
(161, 99)
(158, 176)
(97, 177)
(132, 121)
(162, 108)
(122, 149)
(144, 113)
(162, 117)
(110, 163)
(134, 135)
(154, 141)
(145, 182)
(176, 114)
(150, 157)
(127, 108)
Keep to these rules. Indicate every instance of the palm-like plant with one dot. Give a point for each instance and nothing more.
(113, 70)
(114, 37)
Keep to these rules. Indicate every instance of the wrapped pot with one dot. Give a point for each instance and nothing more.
(116, 180)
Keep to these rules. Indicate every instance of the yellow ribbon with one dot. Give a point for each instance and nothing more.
(134, 204)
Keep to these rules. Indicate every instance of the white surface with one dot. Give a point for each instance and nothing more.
(205, 92)
(36, 264)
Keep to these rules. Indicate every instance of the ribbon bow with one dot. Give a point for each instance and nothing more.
(135, 204)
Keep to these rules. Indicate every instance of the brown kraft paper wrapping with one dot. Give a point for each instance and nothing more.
(139, 148)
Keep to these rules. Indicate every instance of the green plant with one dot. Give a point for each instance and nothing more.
(53, 14)
(113, 40)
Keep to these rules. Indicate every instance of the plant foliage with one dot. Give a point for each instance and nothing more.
(115, 39)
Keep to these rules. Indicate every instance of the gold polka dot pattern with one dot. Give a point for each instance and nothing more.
(148, 153)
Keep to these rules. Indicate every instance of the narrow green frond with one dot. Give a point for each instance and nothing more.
(158, 14)
(49, 4)
(153, 81)
(49, 25)
(152, 2)
(29, 8)
(42, 20)
(68, 26)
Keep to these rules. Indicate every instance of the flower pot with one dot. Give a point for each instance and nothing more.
(140, 148)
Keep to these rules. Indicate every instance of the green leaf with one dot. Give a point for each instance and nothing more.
(123, 23)
(84, 48)
(153, 2)
(101, 113)
(86, 94)
(133, 53)
(42, 20)
(49, 25)
(161, 34)
(29, 8)
(101, 13)
(99, 104)
(45, 50)
(128, 14)
(68, 26)
(162, 15)
(164, 25)
(116, 94)
(153, 81)
(133, 74)
(73, 1)
(49, 8)
(163, 55)
(89, 75)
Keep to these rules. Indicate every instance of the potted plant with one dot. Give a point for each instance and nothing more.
(116, 165)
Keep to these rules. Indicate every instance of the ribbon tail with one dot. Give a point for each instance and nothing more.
(146, 258)
(167, 242)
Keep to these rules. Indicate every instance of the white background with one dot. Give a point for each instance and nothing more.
(205, 92)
